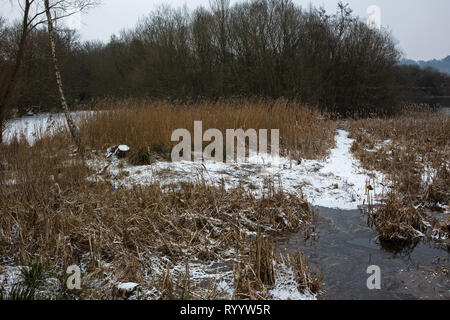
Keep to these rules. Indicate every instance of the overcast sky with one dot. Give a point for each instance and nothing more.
(422, 27)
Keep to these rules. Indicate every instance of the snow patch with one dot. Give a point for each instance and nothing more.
(337, 182)
(127, 286)
(286, 287)
(38, 126)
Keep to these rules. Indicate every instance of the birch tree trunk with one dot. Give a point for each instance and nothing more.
(70, 123)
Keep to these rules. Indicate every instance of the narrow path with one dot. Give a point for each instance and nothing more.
(336, 182)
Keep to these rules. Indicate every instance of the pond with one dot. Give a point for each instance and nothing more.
(346, 246)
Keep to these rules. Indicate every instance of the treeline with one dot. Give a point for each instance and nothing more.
(419, 83)
(267, 48)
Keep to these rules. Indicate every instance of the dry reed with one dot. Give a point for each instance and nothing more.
(147, 125)
(398, 222)
(50, 212)
(407, 148)
(413, 149)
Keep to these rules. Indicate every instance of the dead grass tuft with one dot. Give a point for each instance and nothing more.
(398, 222)
(262, 256)
(307, 280)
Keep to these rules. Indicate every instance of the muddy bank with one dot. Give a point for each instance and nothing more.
(345, 246)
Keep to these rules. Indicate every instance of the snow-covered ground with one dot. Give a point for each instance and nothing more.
(33, 127)
(336, 182)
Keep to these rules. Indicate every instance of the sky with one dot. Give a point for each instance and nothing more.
(421, 27)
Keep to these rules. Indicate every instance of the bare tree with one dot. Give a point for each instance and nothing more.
(33, 15)
(270, 48)
(64, 7)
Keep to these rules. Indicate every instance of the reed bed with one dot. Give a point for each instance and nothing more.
(413, 149)
(148, 124)
(52, 215)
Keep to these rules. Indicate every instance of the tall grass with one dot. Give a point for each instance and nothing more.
(149, 123)
(408, 148)
(50, 212)
(413, 149)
